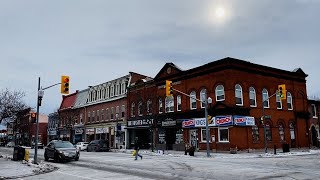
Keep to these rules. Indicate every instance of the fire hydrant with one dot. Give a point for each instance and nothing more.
(26, 155)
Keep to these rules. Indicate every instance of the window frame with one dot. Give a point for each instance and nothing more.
(132, 112)
(265, 93)
(238, 89)
(179, 102)
(314, 111)
(204, 135)
(140, 108)
(219, 134)
(289, 101)
(203, 94)
(160, 106)
(278, 101)
(252, 92)
(193, 101)
(255, 134)
(218, 91)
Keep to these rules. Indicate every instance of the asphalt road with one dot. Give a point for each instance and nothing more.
(110, 165)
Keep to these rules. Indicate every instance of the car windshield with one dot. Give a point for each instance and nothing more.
(63, 145)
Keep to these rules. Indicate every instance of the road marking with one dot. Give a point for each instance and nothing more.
(76, 175)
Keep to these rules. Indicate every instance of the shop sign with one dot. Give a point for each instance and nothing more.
(169, 123)
(52, 132)
(201, 122)
(244, 120)
(224, 120)
(90, 131)
(101, 130)
(188, 123)
(78, 131)
(141, 122)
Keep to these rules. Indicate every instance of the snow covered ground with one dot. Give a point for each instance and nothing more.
(297, 164)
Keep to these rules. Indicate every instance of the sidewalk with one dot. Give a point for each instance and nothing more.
(17, 169)
(253, 153)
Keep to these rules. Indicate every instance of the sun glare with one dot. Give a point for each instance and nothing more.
(220, 12)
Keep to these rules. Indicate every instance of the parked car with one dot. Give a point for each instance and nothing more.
(11, 144)
(61, 150)
(40, 145)
(82, 145)
(98, 145)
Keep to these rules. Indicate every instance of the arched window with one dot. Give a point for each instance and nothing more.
(268, 132)
(140, 113)
(203, 96)
(289, 101)
(178, 103)
(193, 101)
(220, 93)
(169, 104)
(255, 133)
(107, 92)
(265, 99)
(238, 95)
(292, 131)
(279, 101)
(160, 106)
(133, 109)
(149, 106)
(281, 132)
(112, 90)
(253, 97)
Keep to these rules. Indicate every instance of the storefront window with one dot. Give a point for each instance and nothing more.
(204, 135)
(281, 132)
(255, 133)
(179, 136)
(162, 136)
(268, 132)
(223, 135)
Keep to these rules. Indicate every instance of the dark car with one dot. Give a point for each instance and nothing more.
(60, 151)
(98, 145)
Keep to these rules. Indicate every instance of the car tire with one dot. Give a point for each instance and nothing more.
(87, 149)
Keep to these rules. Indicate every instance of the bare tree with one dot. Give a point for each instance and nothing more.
(11, 104)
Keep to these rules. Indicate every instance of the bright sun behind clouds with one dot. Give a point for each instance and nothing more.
(219, 12)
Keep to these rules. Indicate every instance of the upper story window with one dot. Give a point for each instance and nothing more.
(193, 101)
(265, 98)
(169, 103)
(103, 95)
(123, 89)
(118, 90)
(93, 118)
(112, 90)
(107, 114)
(107, 92)
(149, 106)
(220, 93)
(238, 95)
(98, 115)
(123, 110)
(314, 110)
(160, 106)
(203, 96)
(102, 115)
(253, 97)
(117, 111)
(289, 101)
(81, 119)
(279, 101)
(140, 113)
(178, 103)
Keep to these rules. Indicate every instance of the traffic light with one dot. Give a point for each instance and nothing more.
(282, 91)
(33, 116)
(65, 83)
(169, 90)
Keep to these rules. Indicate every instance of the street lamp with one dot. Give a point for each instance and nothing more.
(40, 96)
(209, 100)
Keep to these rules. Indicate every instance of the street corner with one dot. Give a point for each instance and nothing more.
(19, 169)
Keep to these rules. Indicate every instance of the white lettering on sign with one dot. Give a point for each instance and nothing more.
(140, 122)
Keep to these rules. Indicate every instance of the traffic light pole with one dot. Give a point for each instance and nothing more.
(39, 98)
(206, 116)
(264, 123)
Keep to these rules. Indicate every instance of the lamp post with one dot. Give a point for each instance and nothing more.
(209, 100)
(40, 95)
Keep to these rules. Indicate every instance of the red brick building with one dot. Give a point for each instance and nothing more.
(314, 109)
(236, 88)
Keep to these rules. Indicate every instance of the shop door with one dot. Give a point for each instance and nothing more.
(314, 136)
(194, 138)
(170, 138)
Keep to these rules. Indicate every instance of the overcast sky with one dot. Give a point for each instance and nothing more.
(97, 41)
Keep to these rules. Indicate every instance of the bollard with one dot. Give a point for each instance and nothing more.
(275, 149)
(26, 155)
